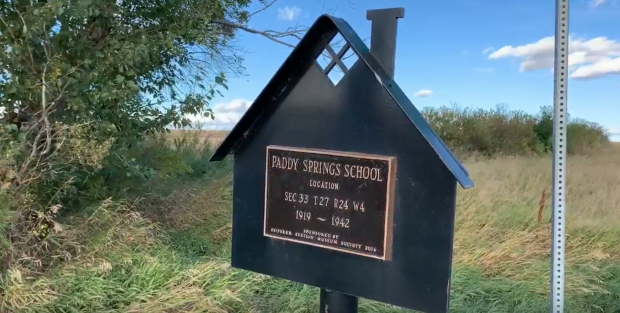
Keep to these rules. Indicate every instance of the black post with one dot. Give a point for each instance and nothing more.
(383, 47)
(336, 302)
(383, 36)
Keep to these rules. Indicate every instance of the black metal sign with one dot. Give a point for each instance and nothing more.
(335, 200)
(338, 220)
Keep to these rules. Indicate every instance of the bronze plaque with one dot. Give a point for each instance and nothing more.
(329, 199)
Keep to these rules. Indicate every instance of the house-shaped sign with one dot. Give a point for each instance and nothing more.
(344, 185)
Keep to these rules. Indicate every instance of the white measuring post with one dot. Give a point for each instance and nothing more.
(559, 155)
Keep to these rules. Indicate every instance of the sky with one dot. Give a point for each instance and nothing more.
(475, 53)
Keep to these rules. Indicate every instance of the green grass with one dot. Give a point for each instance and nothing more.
(133, 265)
(169, 249)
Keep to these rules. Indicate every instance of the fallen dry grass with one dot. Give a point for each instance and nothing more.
(497, 221)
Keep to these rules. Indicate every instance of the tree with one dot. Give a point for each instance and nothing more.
(81, 76)
(544, 128)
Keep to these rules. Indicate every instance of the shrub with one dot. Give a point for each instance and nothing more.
(500, 131)
(82, 83)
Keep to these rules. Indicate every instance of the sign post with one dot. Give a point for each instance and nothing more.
(344, 185)
(559, 155)
(336, 302)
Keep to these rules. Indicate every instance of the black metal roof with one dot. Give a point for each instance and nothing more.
(329, 24)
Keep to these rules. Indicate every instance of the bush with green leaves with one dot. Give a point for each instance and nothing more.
(84, 81)
(500, 131)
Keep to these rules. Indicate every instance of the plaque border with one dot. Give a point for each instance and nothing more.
(389, 204)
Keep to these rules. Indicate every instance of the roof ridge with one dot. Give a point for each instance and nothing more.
(326, 24)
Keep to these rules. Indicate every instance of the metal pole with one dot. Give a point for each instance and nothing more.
(335, 302)
(559, 155)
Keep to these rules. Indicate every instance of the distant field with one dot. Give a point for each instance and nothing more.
(216, 136)
(212, 136)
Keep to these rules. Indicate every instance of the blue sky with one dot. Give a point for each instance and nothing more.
(476, 53)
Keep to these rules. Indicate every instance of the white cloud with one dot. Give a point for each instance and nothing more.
(487, 50)
(587, 59)
(614, 133)
(423, 93)
(596, 3)
(598, 69)
(226, 114)
(288, 13)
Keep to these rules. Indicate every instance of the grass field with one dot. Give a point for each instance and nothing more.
(213, 137)
(168, 250)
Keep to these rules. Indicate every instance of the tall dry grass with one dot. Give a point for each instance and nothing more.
(168, 249)
(498, 230)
